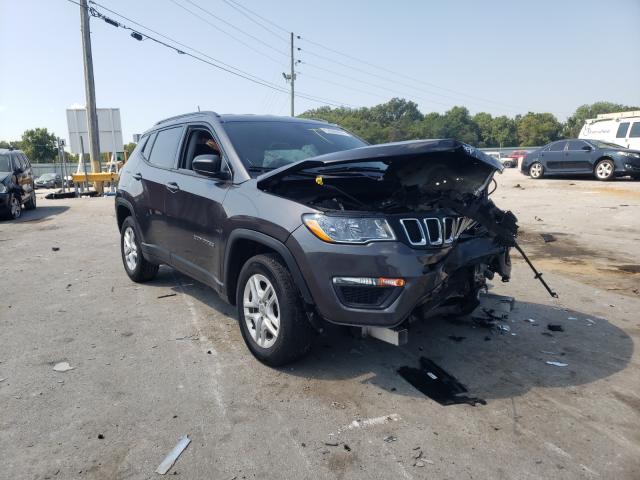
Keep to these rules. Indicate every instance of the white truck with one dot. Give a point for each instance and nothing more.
(622, 128)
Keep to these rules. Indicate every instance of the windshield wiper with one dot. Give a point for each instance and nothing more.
(351, 169)
(254, 168)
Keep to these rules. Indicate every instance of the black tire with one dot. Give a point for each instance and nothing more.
(294, 333)
(142, 270)
(13, 213)
(536, 170)
(31, 203)
(605, 170)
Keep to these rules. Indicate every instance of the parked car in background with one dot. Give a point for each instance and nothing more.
(49, 180)
(622, 128)
(298, 223)
(514, 158)
(603, 160)
(16, 184)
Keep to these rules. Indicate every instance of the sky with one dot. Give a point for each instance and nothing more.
(502, 57)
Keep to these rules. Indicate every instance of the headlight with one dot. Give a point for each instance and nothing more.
(348, 229)
(3, 188)
(629, 154)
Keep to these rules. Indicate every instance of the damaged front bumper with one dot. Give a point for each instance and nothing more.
(431, 276)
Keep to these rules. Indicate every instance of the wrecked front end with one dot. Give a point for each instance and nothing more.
(397, 229)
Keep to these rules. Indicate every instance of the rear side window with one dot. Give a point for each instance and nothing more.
(557, 147)
(163, 153)
(635, 130)
(148, 143)
(576, 145)
(622, 130)
(5, 163)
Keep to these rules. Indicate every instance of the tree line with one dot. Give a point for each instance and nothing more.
(399, 119)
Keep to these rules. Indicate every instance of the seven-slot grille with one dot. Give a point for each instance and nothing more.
(434, 231)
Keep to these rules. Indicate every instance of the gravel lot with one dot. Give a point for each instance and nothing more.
(147, 370)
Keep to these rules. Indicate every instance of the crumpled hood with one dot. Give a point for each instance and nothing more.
(420, 150)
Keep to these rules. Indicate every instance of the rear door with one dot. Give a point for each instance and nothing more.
(156, 172)
(578, 157)
(195, 214)
(554, 157)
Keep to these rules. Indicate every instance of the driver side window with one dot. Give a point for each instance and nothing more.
(199, 142)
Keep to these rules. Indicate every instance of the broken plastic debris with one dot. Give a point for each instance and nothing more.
(556, 364)
(62, 367)
(530, 320)
(547, 237)
(389, 439)
(168, 295)
(170, 459)
(571, 318)
(555, 327)
(503, 328)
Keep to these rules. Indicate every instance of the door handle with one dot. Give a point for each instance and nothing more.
(137, 176)
(172, 187)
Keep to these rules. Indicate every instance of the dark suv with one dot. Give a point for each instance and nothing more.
(16, 184)
(298, 222)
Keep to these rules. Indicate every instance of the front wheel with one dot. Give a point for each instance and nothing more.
(31, 203)
(15, 207)
(536, 170)
(605, 169)
(272, 319)
(137, 267)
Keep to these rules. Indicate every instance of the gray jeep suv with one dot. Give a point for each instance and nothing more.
(299, 222)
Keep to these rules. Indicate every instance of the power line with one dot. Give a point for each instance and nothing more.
(235, 27)
(261, 25)
(218, 29)
(380, 87)
(384, 78)
(258, 15)
(351, 57)
(420, 82)
(214, 62)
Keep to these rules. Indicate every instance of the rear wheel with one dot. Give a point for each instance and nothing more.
(605, 169)
(536, 170)
(272, 319)
(137, 267)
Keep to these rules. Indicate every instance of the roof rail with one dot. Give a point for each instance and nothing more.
(176, 117)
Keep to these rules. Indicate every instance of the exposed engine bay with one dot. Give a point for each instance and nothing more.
(440, 179)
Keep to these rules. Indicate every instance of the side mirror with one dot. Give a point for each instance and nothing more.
(588, 148)
(209, 166)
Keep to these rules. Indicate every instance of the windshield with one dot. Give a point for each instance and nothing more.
(5, 163)
(599, 144)
(268, 145)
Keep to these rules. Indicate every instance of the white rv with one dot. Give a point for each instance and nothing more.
(621, 128)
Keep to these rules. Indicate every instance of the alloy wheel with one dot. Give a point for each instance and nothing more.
(130, 249)
(261, 310)
(536, 170)
(16, 207)
(604, 170)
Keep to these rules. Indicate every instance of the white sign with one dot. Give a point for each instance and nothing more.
(109, 127)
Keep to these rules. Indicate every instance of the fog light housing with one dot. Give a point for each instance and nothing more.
(370, 281)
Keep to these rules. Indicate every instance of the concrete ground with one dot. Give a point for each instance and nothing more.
(149, 368)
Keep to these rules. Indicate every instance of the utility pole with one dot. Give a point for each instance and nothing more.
(291, 77)
(90, 91)
(293, 80)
